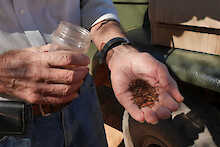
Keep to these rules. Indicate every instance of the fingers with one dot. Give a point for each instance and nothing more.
(58, 100)
(135, 112)
(150, 115)
(58, 89)
(65, 76)
(45, 93)
(132, 109)
(61, 58)
(53, 75)
(154, 114)
(174, 92)
(168, 84)
(37, 99)
(161, 111)
(167, 101)
(46, 89)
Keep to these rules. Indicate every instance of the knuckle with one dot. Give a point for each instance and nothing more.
(66, 90)
(32, 96)
(33, 99)
(67, 59)
(69, 76)
(11, 83)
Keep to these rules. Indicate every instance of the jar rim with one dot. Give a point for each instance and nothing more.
(71, 35)
(69, 30)
(66, 26)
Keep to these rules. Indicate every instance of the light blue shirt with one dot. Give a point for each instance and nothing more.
(25, 23)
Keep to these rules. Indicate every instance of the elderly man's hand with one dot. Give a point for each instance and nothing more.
(127, 64)
(38, 76)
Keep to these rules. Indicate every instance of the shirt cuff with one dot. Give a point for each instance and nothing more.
(108, 16)
(94, 11)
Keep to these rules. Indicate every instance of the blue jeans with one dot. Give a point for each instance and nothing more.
(79, 124)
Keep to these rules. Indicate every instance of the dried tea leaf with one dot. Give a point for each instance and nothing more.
(144, 95)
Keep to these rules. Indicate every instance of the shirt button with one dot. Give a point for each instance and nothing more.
(22, 11)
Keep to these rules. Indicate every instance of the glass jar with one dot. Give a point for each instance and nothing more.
(72, 37)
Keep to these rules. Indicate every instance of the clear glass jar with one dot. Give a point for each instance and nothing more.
(72, 37)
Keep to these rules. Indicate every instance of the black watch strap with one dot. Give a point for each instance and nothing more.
(109, 45)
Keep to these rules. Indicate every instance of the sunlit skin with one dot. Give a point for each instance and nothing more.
(37, 76)
(127, 64)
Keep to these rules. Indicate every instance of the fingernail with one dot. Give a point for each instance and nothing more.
(154, 123)
(142, 121)
(182, 98)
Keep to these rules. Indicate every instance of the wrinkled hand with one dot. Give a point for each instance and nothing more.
(127, 64)
(38, 76)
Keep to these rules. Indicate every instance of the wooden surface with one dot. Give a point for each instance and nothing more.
(188, 24)
(201, 13)
(114, 136)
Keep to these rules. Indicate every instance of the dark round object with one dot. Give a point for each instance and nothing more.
(163, 134)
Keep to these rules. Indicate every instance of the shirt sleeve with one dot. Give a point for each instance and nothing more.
(94, 11)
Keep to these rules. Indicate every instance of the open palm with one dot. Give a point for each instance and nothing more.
(129, 66)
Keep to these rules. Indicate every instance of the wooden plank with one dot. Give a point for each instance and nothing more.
(114, 137)
(186, 24)
(200, 13)
(185, 39)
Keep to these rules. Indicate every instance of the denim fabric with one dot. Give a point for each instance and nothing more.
(79, 124)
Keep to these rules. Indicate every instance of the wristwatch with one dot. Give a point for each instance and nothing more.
(109, 45)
